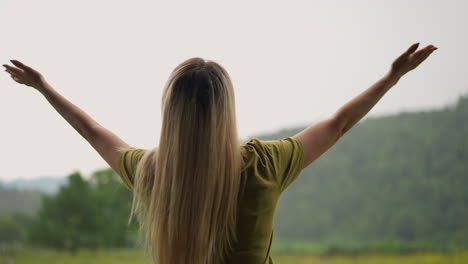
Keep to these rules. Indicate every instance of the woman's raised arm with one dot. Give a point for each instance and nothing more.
(319, 137)
(102, 140)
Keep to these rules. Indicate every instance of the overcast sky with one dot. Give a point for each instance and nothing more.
(292, 63)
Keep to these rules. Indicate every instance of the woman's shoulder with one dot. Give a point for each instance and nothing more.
(260, 153)
(253, 152)
(258, 147)
(277, 160)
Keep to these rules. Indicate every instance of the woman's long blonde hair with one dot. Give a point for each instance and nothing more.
(186, 191)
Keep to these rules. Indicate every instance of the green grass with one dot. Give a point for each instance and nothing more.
(380, 247)
(424, 258)
(124, 256)
(128, 256)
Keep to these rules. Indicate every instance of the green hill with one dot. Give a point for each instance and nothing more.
(402, 177)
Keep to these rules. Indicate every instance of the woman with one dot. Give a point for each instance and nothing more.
(201, 197)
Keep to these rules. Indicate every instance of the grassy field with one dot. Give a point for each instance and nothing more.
(134, 256)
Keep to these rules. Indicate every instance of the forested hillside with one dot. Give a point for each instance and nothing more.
(402, 177)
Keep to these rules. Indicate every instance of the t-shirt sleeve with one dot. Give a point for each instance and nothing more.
(127, 163)
(286, 156)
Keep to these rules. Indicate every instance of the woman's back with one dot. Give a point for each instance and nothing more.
(270, 167)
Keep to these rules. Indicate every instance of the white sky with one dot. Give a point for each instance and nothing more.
(292, 63)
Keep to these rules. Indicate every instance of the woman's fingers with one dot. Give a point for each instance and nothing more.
(11, 73)
(412, 48)
(20, 65)
(13, 70)
(408, 52)
(16, 78)
(422, 54)
(427, 50)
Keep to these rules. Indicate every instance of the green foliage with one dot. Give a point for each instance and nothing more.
(12, 228)
(136, 256)
(85, 214)
(13, 235)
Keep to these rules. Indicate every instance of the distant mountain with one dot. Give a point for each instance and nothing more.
(48, 185)
(25, 195)
(13, 200)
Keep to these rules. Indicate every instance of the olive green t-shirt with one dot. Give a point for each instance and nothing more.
(270, 167)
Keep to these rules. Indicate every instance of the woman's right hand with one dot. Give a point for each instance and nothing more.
(410, 59)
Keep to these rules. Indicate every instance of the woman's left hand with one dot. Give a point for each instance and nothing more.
(25, 75)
